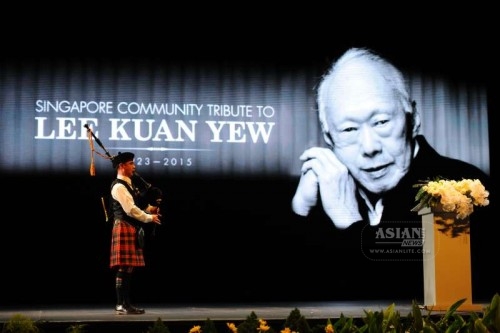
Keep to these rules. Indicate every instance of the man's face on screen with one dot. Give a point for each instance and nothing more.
(368, 127)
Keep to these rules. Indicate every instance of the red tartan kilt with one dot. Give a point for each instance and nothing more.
(124, 250)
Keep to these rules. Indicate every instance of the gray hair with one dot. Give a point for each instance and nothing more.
(391, 74)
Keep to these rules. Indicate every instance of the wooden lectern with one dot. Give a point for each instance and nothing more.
(447, 263)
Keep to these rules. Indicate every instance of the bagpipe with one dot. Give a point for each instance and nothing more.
(147, 194)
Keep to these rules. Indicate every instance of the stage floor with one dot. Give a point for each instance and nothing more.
(193, 313)
(181, 318)
(230, 312)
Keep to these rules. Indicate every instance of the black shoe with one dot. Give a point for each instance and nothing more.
(132, 309)
(126, 310)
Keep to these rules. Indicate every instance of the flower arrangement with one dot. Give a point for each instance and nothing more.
(458, 197)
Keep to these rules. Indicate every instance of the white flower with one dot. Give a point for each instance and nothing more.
(459, 197)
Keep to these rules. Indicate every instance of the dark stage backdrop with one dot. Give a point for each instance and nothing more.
(222, 139)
